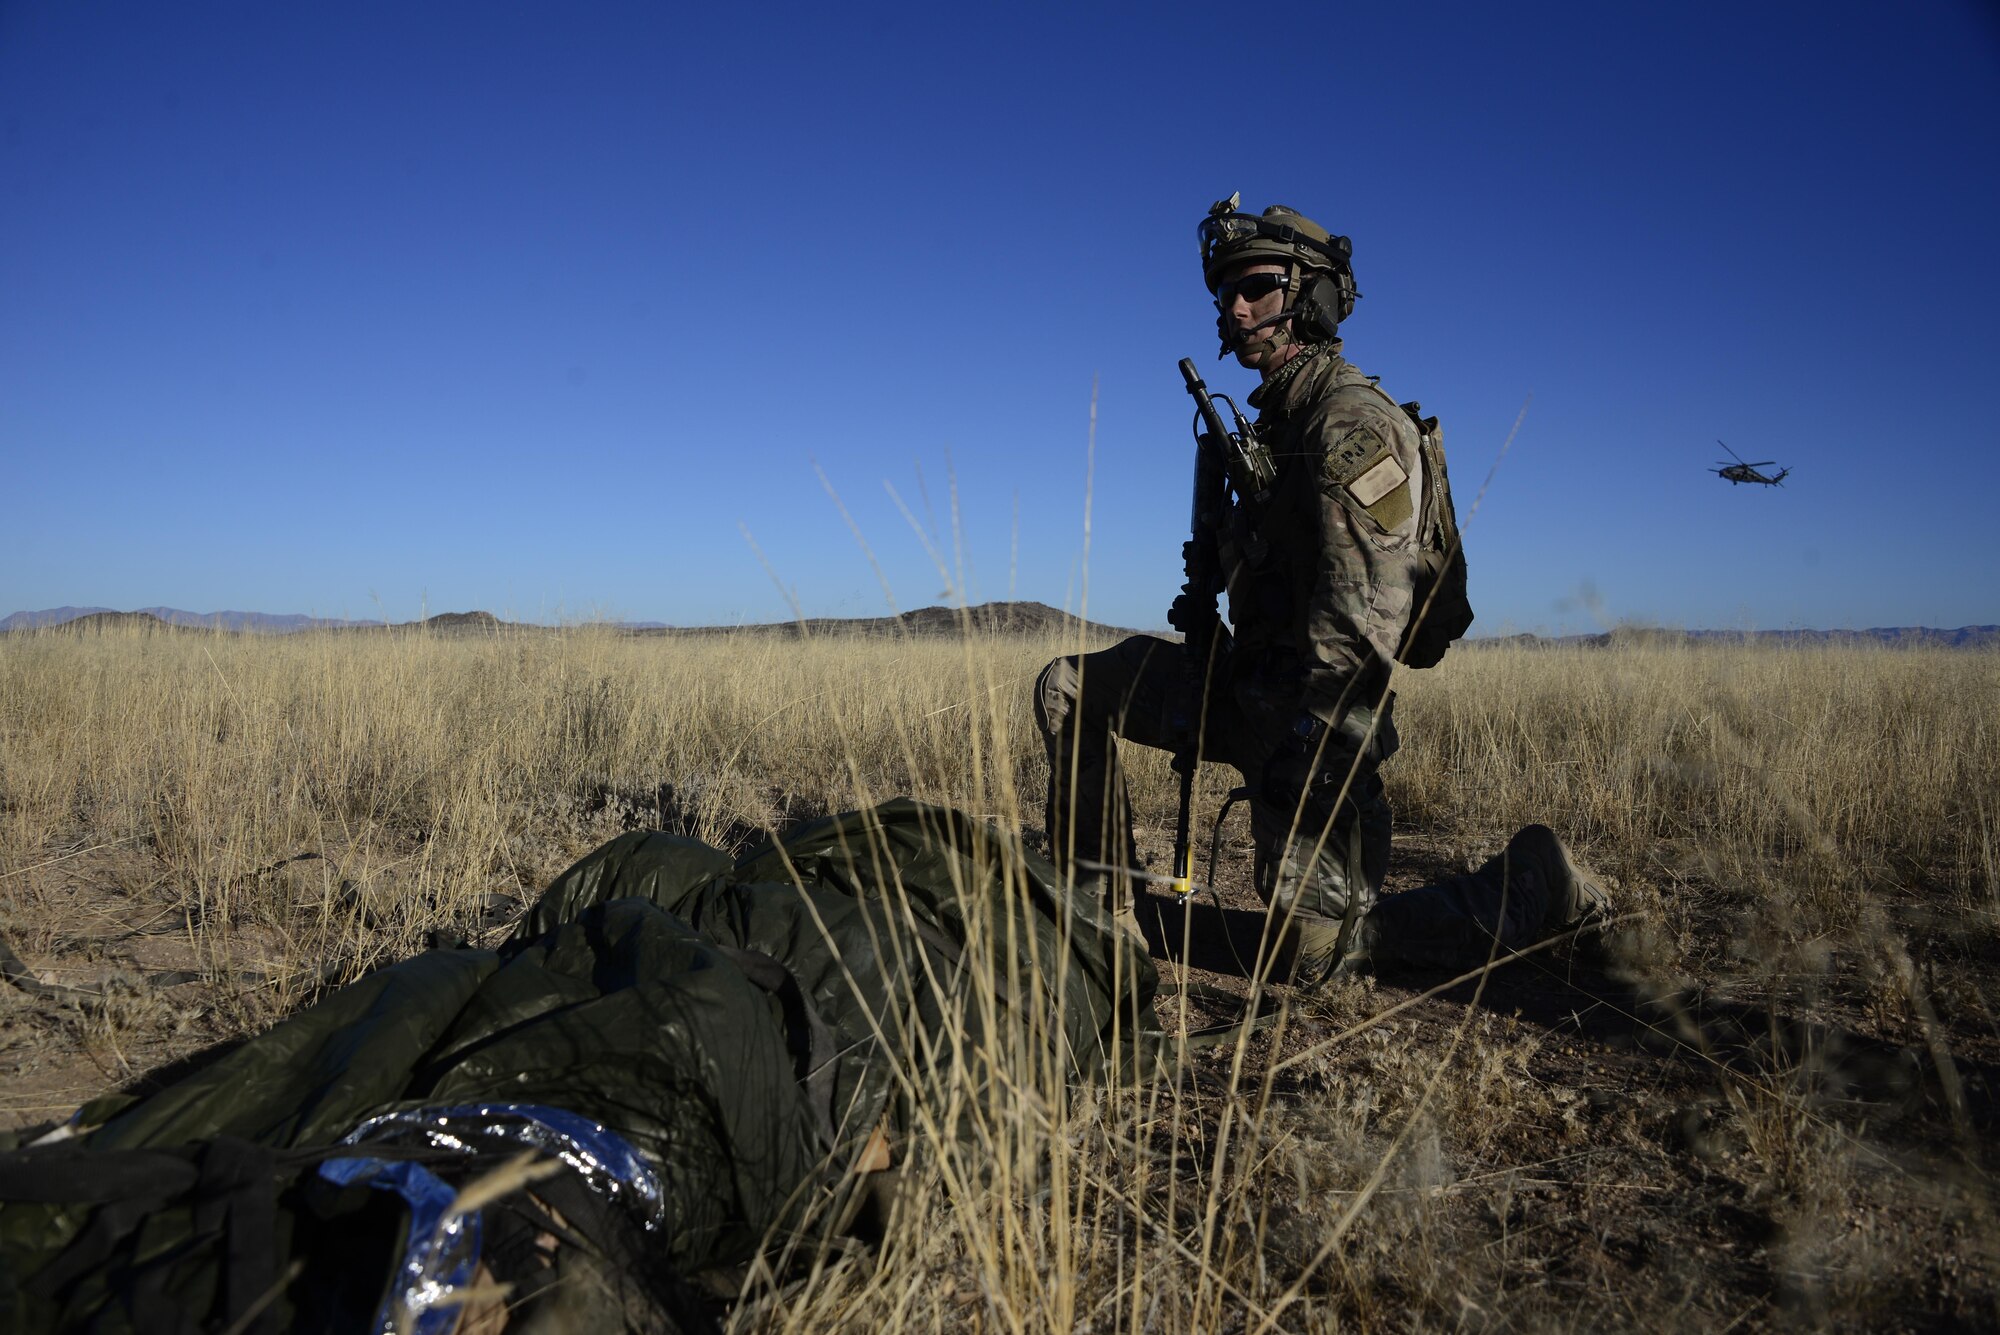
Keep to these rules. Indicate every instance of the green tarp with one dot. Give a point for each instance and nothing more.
(744, 1025)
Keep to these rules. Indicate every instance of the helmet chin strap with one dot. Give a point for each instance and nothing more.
(1242, 344)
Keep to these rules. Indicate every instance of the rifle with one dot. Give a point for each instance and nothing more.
(1221, 458)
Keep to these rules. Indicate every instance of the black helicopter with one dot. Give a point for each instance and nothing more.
(1742, 472)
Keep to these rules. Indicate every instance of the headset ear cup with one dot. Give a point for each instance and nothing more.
(1322, 308)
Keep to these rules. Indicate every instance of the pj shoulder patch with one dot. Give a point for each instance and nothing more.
(1352, 455)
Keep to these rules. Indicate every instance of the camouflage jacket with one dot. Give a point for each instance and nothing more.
(1320, 573)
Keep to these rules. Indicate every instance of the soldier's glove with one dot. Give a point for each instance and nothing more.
(1193, 610)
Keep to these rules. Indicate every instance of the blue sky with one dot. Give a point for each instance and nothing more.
(362, 309)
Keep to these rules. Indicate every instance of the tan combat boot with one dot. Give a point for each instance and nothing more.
(1575, 896)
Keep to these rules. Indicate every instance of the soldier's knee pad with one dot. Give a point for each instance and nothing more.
(1055, 695)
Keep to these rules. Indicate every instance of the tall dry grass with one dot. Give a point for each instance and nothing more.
(467, 765)
(421, 772)
(1885, 759)
(231, 751)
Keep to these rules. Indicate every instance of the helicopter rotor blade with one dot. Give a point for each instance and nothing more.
(1732, 453)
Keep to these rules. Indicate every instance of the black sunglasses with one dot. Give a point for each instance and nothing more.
(1253, 287)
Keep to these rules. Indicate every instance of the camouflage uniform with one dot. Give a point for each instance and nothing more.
(1321, 571)
(1319, 596)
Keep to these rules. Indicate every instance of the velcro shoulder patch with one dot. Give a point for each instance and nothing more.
(1362, 464)
(1394, 508)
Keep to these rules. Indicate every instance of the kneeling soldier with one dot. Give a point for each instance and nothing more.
(1331, 558)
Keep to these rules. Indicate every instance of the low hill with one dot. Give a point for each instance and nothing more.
(463, 623)
(261, 623)
(92, 623)
(48, 616)
(1017, 618)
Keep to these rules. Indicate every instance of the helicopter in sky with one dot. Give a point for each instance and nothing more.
(1745, 472)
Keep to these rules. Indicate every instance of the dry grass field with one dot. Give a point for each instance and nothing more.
(1765, 1099)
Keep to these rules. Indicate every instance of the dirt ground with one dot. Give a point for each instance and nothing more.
(1655, 1155)
(128, 983)
(1667, 1156)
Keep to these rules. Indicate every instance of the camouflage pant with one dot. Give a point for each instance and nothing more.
(1320, 822)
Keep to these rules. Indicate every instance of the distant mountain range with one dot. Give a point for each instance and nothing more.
(254, 623)
(989, 618)
(268, 623)
(1000, 618)
(1008, 617)
(1904, 637)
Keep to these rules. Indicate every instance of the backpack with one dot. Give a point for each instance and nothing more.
(1440, 610)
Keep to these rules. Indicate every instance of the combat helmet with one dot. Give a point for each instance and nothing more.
(1322, 293)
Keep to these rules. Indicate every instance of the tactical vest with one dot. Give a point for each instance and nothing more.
(1261, 596)
(1440, 611)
